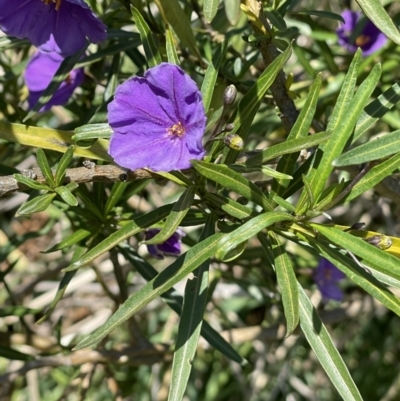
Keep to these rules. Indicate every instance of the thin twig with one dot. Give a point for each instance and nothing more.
(106, 173)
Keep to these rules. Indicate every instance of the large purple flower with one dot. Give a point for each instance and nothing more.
(52, 25)
(158, 121)
(359, 32)
(327, 276)
(39, 72)
(172, 246)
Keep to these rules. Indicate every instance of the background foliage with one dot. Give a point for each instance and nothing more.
(88, 314)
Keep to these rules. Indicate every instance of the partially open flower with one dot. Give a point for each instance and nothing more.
(39, 72)
(327, 276)
(61, 26)
(172, 246)
(158, 121)
(359, 32)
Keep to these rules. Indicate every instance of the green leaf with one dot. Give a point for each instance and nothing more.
(210, 79)
(376, 109)
(342, 131)
(86, 135)
(374, 177)
(172, 55)
(320, 341)
(176, 17)
(286, 280)
(72, 239)
(184, 265)
(276, 20)
(175, 301)
(177, 214)
(230, 179)
(152, 54)
(229, 206)
(250, 102)
(37, 204)
(49, 138)
(135, 226)
(63, 164)
(300, 130)
(248, 230)
(31, 183)
(287, 147)
(17, 310)
(376, 258)
(194, 305)
(60, 76)
(210, 8)
(45, 167)
(374, 10)
(117, 191)
(357, 274)
(13, 354)
(232, 11)
(62, 287)
(67, 196)
(380, 148)
(322, 14)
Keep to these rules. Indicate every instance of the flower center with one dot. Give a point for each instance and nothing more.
(57, 2)
(177, 129)
(362, 40)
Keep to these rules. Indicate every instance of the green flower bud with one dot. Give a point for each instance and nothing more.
(234, 142)
(229, 95)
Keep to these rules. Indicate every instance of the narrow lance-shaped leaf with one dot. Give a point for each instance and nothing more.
(320, 341)
(37, 204)
(380, 148)
(172, 55)
(177, 214)
(175, 302)
(249, 229)
(376, 258)
(194, 305)
(31, 183)
(343, 130)
(132, 228)
(236, 182)
(379, 17)
(286, 280)
(67, 196)
(63, 164)
(210, 8)
(184, 265)
(376, 109)
(208, 85)
(152, 54)
(45, 167)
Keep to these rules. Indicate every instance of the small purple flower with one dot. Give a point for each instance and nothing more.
(39, 72)
(158, 121)
(352, 34)
(172, 246)
(52, 25)
(327, 276)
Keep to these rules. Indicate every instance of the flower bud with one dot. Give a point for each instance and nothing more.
(229, 127)
(229, 95)
(234, 142)
(380, 241)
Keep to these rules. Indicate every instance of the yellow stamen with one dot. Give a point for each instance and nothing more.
(58, 3)
(362, 40)
(177, 129)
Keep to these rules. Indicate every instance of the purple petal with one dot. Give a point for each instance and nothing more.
(172, 246)
(369, 39)
(158, 121)
(327, 276)
(63, 30)
(39, 72)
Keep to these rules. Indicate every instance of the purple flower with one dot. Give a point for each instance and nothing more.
(39, 72)
(158, 121)
(52, 25)
(172, 246)
(359, 32)
(327, 276)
